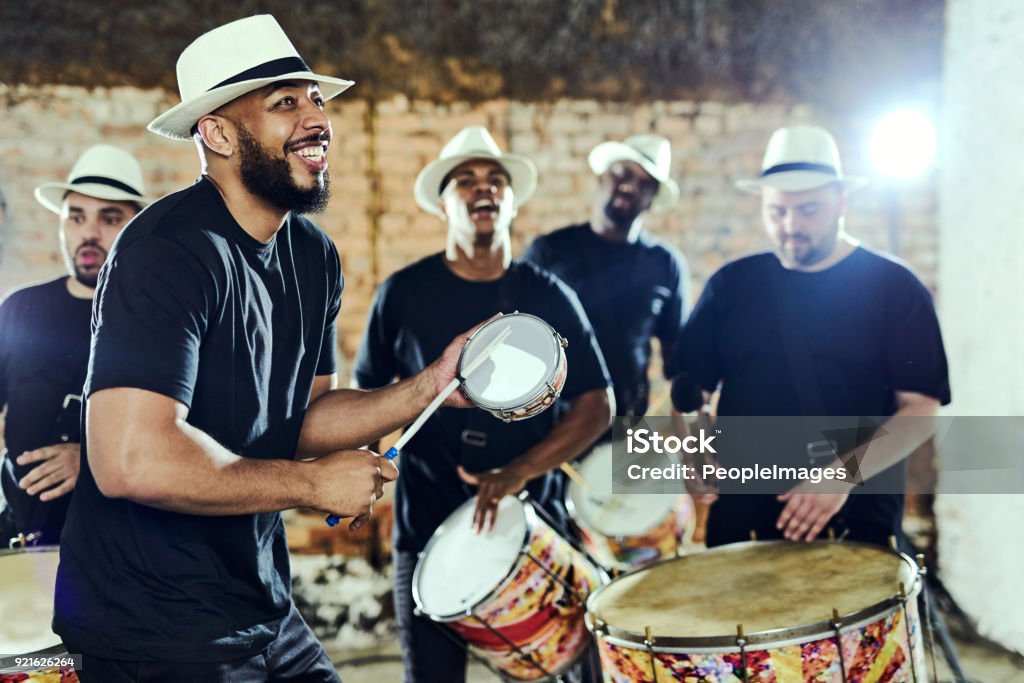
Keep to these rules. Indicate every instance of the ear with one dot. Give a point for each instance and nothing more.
(218, 134)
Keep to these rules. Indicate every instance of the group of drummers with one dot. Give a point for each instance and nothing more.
(163, 409)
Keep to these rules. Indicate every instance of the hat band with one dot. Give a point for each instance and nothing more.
(100, 180)
(800, 166)
(275, 67)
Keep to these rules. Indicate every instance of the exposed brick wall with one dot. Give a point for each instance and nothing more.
(380, 147)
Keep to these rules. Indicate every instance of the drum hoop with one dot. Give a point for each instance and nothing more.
(59, 648)
(541, 391)
(531, 518)
(578, 519)
(771, 638)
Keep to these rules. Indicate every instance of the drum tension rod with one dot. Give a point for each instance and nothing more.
(902, 597)
(837, 625)
(525, 656)
(924, 598)
(649, 644)
(741, 642)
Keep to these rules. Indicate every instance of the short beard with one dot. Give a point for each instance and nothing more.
(622, 220)
(270, 177)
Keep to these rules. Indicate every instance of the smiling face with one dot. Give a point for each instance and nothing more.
(803, 226)
(88, 227)
(282, 139)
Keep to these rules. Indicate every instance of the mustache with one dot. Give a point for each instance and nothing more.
(316, 137)
(91, 244)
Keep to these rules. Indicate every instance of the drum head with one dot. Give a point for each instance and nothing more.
(26, 600)
(764, 586)
(518, 368)
(615, 515)
(460, 568)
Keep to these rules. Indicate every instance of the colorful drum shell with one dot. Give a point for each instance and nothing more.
(29, 577)
(529, 609)
(544, 346)
(881, 643)
(649, 527)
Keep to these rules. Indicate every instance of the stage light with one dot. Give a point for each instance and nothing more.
(903, 144)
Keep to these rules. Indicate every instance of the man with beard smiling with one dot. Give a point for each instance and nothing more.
(212, 372)
(821, 326)
(632, 286)
(476, 190)
(44, 344)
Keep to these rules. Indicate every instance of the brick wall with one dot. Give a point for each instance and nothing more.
(380, 147)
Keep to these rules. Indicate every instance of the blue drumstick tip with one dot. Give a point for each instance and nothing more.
(332, 520)
(392, 453)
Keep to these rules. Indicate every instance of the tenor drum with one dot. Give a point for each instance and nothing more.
(516, 594)
(764, 612)
(525, 373)
(26, 609)
(624, 531)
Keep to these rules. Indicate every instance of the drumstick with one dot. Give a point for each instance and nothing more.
(571, 472)
(473, 366)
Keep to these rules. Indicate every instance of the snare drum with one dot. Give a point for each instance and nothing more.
(623, 532)
(26, 609)
(516, 594)
(764, 612)
(525, 373)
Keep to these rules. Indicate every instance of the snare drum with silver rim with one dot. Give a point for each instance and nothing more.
(624, 531)
(515, 594)
(29, 576)
(525, 373)
(821, 611)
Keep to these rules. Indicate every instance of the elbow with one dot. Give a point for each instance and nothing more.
(117, 472)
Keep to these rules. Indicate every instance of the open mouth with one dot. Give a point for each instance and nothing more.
(484, 208)
(89, 257)
(312, 154)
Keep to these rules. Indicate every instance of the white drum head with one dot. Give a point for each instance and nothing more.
(613, 515)
(26, 600)
(518, 368)
(459, 568)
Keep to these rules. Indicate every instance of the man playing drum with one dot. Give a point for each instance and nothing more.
(821, 327)
(212, 369)
(44, 344)
(476, 189)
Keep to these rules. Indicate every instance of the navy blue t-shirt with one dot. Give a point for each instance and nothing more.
(44, 350)
(415, 315)
(869, 327)
(631, 292)
(191, 306)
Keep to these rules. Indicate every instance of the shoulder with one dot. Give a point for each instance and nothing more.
(745, 268)
(662, 252)
(891, 274)
(545, 286)
(562, 237)
(413, 276)
(28, 294)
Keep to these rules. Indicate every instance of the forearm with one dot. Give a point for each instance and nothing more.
(587, 419)
(900, 436)
(351, 418)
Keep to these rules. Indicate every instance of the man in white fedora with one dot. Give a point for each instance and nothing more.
(820, 326)
(212, 373)
(44, 344)
(476, 189)
(633, 286)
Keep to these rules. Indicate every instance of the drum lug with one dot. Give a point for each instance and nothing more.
(562, 341)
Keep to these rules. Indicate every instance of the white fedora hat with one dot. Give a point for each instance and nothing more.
(652, 152)
(473, 142)
(230, 61)
(104, 172)
(800, 158)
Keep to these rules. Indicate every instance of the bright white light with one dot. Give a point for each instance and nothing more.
(903, 144)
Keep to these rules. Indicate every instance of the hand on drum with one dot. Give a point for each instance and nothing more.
(56, 473)
(446, 368)
(348, 483)
(807, 511)
(492, 486)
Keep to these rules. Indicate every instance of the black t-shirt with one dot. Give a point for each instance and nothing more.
(192, 307)
(44, 350)
(631, 291)
(415, 315)
(870, 329)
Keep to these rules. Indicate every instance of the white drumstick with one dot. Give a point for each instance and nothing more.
(472, 367)
(392, 453)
